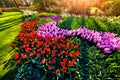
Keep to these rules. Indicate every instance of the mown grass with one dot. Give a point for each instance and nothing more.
(7, 14)
(9, 28)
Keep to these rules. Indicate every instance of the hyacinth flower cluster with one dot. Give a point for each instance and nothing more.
(55, 54)
(106, 41)
(51, 29)
(55, 18)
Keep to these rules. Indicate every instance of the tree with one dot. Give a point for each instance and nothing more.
(44, 3)
(26, 2)
(2, 4)
(16, 3)
(111, 7)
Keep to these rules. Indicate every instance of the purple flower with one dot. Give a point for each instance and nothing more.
(104, 40)
(55, 18)
(107, 50)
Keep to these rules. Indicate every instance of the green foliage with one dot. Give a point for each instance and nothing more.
(70, 23)
(32, 17)
(103, 66)
(94, 64)
(90, 23)
(66, 23)
(42, 21)
(101, 24)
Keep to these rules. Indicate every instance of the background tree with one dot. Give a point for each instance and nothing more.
(2, 4)
(44, 3)
(111, 7)
(16, 3)
(56, 6)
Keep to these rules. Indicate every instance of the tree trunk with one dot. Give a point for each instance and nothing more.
(2, 4)
(26, 3)
(44, 4)
(16, 3)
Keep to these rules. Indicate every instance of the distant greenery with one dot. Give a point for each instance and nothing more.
(94, 23)
(101, 24)
(70, 23)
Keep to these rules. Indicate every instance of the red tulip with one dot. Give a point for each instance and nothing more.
(48, 49)
(64, 59)
(18, 61)
(35, 48)
(39, 44)
(27, 45)
(57, 72)
(49, 61)
(62, 64)
(53, 61)
(12, 46)
(74, 61)
(66, 52)
(58, 55)
(32, 42)
(16, 56)
(43, 52)
(70, 64)
(43, 61)
(58, 46)
(25, 42)
(47, 56)
(53, 51)
(76, 46)
(77, 54)
(24, 56)
(49, 67)
(64, 69)
(31, 54)
(37, 55)
(27, 49)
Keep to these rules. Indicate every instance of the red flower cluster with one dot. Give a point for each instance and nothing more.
(12, 46)
(29, 25)
(55, 53)
(17, 57)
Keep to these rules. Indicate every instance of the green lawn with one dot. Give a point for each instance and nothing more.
(9, 28)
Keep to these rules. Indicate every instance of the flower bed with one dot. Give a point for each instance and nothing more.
(49, 52)
(104, 40)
